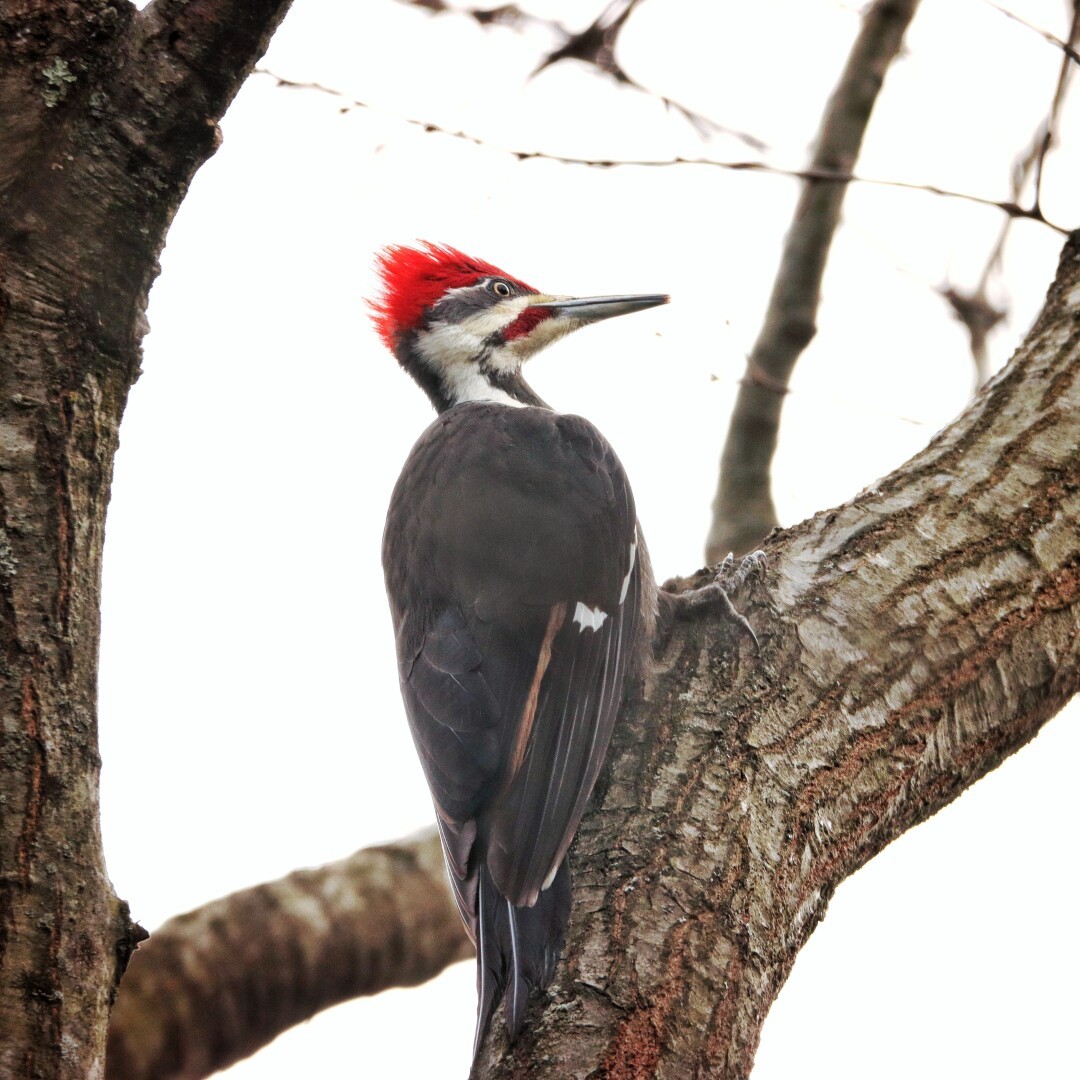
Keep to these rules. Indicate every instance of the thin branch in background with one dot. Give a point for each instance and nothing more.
(594, 46)
(508, 15)
(979, 316)
(1010, 208)
(743, 509)
(1064, 77)
(975, 309)
(1067, 47)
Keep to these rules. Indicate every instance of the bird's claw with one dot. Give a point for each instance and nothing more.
(730, 614)
(731, 578)
(715, 596)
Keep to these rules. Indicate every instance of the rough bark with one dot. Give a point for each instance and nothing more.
(105, 113)
(743, 510)
(212, 986)
(912, 639)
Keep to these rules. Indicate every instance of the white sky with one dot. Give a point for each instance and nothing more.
(250, 717)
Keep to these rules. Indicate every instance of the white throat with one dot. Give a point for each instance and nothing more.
(466, 383)
(451, 350)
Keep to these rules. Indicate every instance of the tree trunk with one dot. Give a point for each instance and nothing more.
(105, 113)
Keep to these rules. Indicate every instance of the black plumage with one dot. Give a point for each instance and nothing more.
(522, 598)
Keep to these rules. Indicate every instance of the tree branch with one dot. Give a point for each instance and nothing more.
(214, 985)
(206, 47)
(911, 640)
(743, 510)
(593, 46)
(1009, 207)
(1066, 47)
(1060, 90)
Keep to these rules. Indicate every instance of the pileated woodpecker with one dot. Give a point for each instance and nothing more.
(522, 599)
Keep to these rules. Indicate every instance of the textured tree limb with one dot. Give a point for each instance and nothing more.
(212, 986)
(217, 41)
(911, 640)
(743, 510)
(105, 113)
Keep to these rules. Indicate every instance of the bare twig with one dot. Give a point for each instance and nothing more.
(508, 15)
(1064, 76)
(594, 46)
(1068, 48)
(1011, 208)
(979, 316)
(743, 510)
(975, 309)
(212, 986)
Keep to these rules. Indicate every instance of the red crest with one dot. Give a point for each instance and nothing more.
(413, 279)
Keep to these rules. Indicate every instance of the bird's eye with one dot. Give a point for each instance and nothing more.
(500, 288)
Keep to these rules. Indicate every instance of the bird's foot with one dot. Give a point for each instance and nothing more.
(732, 578)
(714, 597)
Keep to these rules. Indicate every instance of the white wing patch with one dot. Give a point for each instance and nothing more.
(589, 618)
(626, 580)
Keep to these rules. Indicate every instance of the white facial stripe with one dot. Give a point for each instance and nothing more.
(477, 328)
(626, 580)
(589, 618)
(452, 349)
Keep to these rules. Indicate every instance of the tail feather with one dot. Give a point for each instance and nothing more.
(517, 949)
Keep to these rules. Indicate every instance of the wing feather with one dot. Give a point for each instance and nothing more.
(535, 817)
